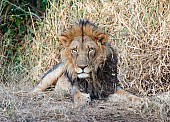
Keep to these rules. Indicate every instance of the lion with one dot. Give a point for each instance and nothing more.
(88, 66)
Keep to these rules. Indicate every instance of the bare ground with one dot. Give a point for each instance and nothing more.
(18, 106)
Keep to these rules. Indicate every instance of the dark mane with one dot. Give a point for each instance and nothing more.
(83, 22)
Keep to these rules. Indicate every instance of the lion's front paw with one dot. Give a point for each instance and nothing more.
(81, 98)
(137, 100)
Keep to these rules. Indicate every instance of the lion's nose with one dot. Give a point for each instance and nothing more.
(82, 66)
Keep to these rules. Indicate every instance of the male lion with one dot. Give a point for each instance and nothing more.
(88, 66)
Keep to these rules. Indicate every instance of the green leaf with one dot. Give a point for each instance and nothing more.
(22, 29)
(18, 21)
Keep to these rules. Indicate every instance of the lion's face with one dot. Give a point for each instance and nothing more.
(83, 52)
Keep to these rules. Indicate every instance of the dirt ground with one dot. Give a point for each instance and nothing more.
(18, 106)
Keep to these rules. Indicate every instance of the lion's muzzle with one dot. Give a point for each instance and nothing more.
(83, 72)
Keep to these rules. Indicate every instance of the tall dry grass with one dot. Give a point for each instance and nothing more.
(139, 29)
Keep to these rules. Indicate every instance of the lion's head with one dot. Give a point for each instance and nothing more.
(87, 57)
(84, 48)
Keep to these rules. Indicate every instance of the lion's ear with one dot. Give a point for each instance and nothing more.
(64, 40)
(102, 38)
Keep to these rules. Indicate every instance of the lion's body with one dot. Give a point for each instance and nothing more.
(88, 66)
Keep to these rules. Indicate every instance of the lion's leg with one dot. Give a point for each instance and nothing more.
(63, 85)
(50, 78)
(79, 97)
(125, 95)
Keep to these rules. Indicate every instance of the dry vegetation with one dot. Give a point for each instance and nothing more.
(139, 29)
